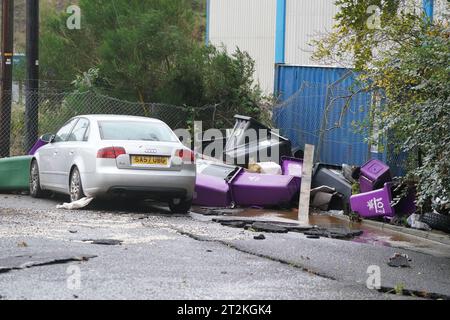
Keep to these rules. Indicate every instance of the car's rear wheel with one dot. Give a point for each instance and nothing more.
(180, 206)
(76, 187)
(35, 182)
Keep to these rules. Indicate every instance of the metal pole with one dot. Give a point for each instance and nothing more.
(6, 76)
(32, 82)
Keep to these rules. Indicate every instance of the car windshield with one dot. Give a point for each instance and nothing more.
(136, 130)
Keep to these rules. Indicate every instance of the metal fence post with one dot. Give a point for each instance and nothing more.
(32, 82)
(6, 72)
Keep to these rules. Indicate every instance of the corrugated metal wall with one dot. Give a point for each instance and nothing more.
(309, 95)
(305, 21)
(249, 25)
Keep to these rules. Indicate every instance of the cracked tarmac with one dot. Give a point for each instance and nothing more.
(163, 256)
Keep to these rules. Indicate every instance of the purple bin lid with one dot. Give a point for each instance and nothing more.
(374, 169)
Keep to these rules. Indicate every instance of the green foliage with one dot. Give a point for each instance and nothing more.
(407, 58)
(150, 51)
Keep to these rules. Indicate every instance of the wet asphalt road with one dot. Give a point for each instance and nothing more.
(164, 256)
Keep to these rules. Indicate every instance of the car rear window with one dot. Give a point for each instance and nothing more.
(136, 130)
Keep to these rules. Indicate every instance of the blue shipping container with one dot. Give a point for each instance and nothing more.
(321, 106)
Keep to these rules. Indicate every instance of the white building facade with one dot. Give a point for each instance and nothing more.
(278, 31)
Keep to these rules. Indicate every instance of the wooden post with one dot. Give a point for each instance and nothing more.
(305, 192)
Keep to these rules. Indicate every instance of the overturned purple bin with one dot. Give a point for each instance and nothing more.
(253, 189)
(374, 174)
(220, 185)
(211, 191)
(211, 186)
(374, 203)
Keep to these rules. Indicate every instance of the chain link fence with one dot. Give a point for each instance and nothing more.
(331, 117)
(55, 108)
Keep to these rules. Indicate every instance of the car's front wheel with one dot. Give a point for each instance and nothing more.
(180, 206)
(76, 187)
(35, 182)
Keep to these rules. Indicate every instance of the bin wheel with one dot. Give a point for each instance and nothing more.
(35, 181)
(436, 221)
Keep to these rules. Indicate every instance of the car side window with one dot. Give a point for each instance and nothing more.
(79, 131)
(64, 132)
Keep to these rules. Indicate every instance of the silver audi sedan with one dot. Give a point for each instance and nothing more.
(108, 155)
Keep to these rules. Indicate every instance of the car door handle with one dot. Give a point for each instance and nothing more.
(55, 153)
(71, 152)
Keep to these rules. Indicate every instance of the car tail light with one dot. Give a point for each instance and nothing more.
(110, 152)
(188, 156)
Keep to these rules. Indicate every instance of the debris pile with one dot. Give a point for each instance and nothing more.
(314, 232)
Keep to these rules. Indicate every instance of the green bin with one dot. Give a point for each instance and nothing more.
(15, 173)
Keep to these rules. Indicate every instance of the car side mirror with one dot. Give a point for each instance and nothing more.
(48, 138)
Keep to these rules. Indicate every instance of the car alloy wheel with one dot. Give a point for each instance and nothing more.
(76, 188)
(35, 183)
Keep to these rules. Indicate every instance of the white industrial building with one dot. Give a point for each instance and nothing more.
(276, 31)
(277, 34)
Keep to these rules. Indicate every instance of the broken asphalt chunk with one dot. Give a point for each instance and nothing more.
(235, 224)
(28, 261)
(105, 242)
(260, 237)
(399, 261)
(268, 227)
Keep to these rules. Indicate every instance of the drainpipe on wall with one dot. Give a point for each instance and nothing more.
(428, 7)
(280, 33)
(208, 15)
(280, 40)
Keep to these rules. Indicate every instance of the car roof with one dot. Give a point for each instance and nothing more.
(105, 117)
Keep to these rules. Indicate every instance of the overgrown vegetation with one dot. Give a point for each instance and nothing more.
(149, 51)
(406, 57)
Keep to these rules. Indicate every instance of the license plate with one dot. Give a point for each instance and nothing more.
(149, 161)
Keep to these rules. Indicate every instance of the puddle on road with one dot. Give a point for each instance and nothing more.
(370, 235)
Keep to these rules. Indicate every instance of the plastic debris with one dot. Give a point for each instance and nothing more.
(270, 168)
(415, 223)
(80, 204)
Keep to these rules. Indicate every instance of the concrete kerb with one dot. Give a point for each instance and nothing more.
(427, 235)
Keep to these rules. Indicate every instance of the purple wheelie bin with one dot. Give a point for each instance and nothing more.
(374, 174)
(221, 185)
(39, 144)
(211, 191)
(253, 189)
(374, 203)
